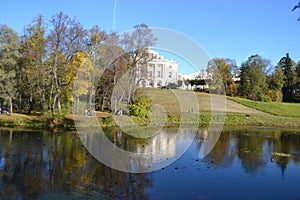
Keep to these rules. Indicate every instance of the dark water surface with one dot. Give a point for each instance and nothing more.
(249, 163)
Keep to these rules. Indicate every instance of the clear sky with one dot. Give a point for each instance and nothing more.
(232, 29)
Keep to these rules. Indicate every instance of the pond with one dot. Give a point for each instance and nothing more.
(245, 163)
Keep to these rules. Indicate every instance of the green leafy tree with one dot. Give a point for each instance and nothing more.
(298, 72)
(296, 87)
(9, 55)
(287, 65)
(223, 71)
(276, 82)
(35, 78)
(253, 84)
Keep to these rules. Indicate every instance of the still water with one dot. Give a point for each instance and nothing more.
(245, 163)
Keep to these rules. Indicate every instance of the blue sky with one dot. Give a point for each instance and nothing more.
(232, 29)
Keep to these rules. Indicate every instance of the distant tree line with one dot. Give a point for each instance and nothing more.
(39, 68)
(256, 79)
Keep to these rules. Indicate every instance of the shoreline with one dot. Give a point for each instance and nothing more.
(231, 119)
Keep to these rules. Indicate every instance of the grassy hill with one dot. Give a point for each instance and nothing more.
(236, 110)
(275, 108)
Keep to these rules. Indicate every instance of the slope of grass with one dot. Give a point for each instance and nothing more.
(275, 108)
(238, 110)
(169, 100)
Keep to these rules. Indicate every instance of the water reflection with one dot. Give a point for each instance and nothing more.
(35, 164)
(138, 155)
(255, 149)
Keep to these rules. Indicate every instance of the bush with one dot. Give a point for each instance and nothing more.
(275, 95)
(140, 108)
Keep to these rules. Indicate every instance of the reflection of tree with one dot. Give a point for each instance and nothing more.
(295, 148)
(250, 148)
(289, 145)
(223, 153)
(36, 164)
(254, 148)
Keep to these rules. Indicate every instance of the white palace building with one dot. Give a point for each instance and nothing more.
(159, 71)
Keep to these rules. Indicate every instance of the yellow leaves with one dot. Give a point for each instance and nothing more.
(81, 73)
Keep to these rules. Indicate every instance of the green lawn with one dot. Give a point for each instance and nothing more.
(275, 108)
(238, 111)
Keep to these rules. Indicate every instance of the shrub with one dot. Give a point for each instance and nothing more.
(141, 107)
(275, 95)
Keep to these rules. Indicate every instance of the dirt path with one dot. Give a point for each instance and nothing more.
(221, 103)
(232, 106)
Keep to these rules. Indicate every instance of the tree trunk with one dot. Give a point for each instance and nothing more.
(20, 103)
(30, 101)
(58, 102)
(10, 106)
(53, 104)
(57, 87)
(50, 97)
(43, 95)
(116, 105)
(90, 97)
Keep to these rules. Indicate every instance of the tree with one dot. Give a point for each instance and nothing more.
(81, 74)
(9, 55)
(136, 54)
(66, 38)
(287, 65)
(223, 71)
(36, 72)
(298, 72)
(276, 83)
(296, 87)
(296, 7)
(112, 66)
(253, 83)
(136, 45)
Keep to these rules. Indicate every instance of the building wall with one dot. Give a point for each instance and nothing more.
(160, 72)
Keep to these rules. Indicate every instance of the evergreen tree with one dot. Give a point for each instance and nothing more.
(286, 63)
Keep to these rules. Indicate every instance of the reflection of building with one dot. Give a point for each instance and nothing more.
(160, 147)
(159, 71)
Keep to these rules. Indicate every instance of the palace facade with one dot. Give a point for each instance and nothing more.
(159, 72)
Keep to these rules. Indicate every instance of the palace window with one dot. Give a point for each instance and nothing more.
(150, 74)
(158, 74)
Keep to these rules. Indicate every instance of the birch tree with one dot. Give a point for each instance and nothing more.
(65, 39)
(136, 45)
